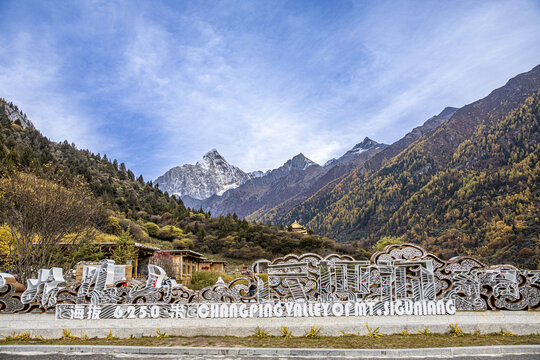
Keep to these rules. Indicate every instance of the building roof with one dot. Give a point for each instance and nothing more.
(215, 261)
(296, 225)
(136, 244)
(184, 252)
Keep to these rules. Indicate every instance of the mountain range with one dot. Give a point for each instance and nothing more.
(221, 188)
(210, 175)
(127, 206)
(465, 181)
(464, 184)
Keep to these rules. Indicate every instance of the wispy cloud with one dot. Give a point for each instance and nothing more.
(31, 77)
(157, 85)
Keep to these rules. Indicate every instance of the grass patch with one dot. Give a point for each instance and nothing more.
(260, 333)
(374, 332)
(313, 332)
(285, 332)
(351, 341)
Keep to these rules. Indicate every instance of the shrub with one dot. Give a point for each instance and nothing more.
(134, 229)
(111, 336)
(125, 249)
(151, 228)
(67, 334)
(169, 232)
(112, 226)
(185, 243)
(206, 278)
(455, 330)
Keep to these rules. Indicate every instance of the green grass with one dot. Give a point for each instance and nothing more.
(351, 341)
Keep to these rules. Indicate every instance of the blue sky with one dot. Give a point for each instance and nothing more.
(158, 84)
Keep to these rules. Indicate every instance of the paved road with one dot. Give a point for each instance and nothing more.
(58, 356)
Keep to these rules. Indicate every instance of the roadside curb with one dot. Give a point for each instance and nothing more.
(331, 353)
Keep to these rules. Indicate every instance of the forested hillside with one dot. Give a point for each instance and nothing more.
(470, 187)
(26, 149)
(126, 208)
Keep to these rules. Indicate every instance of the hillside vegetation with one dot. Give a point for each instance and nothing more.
(129, 206)
(479, 197)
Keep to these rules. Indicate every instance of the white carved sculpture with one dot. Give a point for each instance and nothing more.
(45, 285)
(6, 278)
(156, 275)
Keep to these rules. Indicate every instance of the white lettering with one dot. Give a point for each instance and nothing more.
(214, 310)
(337, 309)
(450, 307)
(399, 308)
(409, 307)
(317, 309)
(386, 307)
(370, 304)
(289, 308)
(233, 310)
(348, 307)
(242, 311)
(325, 307)
(267, 311)
(118, 312)
(440, 307)
(224, 311)
(360, 309)
(297, 310)
(418, 308)
(278, 310)
(204, 311)
(431, 308)
(252, 310)
(310, 309)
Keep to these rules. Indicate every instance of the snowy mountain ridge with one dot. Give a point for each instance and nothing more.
(365, 145)
(210, 175)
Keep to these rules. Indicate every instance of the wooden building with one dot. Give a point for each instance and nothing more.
(188, 262)
(144, 253)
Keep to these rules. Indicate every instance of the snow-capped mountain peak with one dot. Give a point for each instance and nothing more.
(366, 145)
(299, 162)
(210, 175)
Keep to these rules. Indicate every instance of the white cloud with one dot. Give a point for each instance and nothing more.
(159, 87)
(31, 77)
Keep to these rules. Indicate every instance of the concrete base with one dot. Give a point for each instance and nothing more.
(45, 325)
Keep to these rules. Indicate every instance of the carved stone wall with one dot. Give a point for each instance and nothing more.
(399, 272)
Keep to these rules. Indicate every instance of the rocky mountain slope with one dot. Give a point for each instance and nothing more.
(14, 115)
(291, 183)
(371, 160)
(210, 175)
(332, 170)
(469, 184)
(267, 189)
(366, 145)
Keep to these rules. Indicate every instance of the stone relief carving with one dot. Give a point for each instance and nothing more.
(399, 272)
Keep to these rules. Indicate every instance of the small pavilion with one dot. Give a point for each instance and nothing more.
(297, 228)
